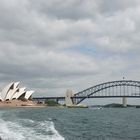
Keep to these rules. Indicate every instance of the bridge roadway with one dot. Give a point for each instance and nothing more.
(81, 97)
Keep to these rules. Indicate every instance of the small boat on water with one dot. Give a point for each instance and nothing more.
(96, 108)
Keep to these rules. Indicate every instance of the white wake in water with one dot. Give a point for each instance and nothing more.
(32, 130)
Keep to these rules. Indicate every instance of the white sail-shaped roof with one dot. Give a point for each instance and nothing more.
(19, 93)
(0, 97)
(16, 85)
(28, 94)
(5, 90)
(11, 93)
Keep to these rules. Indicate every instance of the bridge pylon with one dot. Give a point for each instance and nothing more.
(68, 99)
(124, 101)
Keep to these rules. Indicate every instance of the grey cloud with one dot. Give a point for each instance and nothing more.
(110, 7)
(35, 37)
(69, 9)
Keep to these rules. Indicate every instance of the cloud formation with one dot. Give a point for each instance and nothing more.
(55, 45)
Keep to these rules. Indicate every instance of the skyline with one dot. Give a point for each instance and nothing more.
(55, 45)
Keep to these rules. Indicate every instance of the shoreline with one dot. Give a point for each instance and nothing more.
(22, 107)
(20, 104)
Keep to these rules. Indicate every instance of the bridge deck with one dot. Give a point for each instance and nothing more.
(79, 97)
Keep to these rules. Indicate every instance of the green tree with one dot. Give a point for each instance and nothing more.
(51, 102)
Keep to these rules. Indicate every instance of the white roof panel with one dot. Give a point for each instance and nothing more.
(16, 85)
(11, 93)
(5, 90)
(19, 93)
(28, 94)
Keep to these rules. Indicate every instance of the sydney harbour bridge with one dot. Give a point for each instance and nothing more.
(113, 89)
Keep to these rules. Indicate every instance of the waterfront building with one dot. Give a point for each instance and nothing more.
(14, 91)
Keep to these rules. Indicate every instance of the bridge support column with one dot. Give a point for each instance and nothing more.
(57, 100)
(124, 101)
(68, 100)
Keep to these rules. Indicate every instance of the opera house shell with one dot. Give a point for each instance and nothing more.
(14, 91)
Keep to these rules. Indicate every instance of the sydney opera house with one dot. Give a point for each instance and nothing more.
(14, 91)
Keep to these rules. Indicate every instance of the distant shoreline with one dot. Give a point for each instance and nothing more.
(33, 104)
(116, 105)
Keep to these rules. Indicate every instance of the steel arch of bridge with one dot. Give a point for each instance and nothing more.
(90, 92)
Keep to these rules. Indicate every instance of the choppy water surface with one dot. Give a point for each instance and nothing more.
(69, 124)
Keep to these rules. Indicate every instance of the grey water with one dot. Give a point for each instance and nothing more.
(70, 124)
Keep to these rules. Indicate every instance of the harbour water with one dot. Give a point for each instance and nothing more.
(70, 124)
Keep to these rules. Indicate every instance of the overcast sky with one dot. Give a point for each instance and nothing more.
(54, 45)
